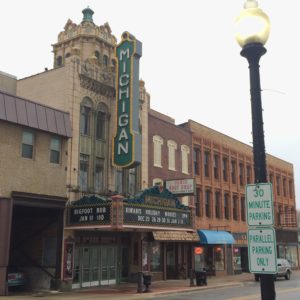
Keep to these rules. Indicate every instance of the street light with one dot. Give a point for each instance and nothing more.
(253, 28)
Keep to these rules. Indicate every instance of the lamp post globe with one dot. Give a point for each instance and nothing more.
(252, 32)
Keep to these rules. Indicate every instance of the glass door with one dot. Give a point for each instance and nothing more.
(108, 265)
(90, 266)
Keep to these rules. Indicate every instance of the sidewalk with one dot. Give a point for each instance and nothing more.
(129, 290)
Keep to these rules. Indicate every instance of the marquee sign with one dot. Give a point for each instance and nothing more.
(127, 141)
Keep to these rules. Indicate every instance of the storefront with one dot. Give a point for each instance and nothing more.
(112, 240)
(240, 252)
(214, 253)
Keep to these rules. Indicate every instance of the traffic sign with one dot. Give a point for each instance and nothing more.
(262, 250)
(260, 208)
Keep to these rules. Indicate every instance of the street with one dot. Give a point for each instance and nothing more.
(250, 290)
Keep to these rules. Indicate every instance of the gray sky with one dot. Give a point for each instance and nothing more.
(190, 63)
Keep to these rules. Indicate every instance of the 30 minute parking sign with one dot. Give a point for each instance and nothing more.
(260, 208)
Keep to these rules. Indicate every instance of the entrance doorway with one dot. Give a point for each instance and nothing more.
(172, 271)
(95, 265)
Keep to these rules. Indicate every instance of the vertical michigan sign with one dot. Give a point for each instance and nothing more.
(127, 149)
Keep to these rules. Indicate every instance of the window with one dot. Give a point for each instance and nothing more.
(101, 122)
(233, 171)
(235, 207)
(155, 257)
(132, 181)
(216, 166)
(157, 144)
(99, 173)
(278, 185)
(243, 209)
(185, 151)
(206, 163)
(198, 203)
(284, 186)
(27, 144)
(55, 150)
(241, 175)
(105, 60)
(172, 147)
(84, 172)
(226, 207)
(196, 158)
(119, 181)
(248, 174)
(218, 205)
(291, 188)
(207, 204)
(59, 61)
(97, 54)
(85, 115)
(225, 168)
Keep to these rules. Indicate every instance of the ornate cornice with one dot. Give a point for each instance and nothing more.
(96, 86)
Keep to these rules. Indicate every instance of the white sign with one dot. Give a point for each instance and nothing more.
(181, 186)
(262, 250)
(260, 208)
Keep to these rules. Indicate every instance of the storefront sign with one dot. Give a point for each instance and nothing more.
(262, 250)
(127, 141)
(181, 186)
(260, 208)
(97, 214)
(68, 260)
(140, 215)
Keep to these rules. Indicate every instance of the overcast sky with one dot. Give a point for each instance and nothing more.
(191, 63)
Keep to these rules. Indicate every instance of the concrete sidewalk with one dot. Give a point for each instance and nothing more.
(128, 291)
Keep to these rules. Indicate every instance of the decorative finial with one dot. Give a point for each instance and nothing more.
(250, 4)
(87, 15)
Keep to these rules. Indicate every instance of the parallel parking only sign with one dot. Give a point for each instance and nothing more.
(262, 250)
(260, 208)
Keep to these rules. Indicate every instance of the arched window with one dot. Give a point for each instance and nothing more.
(59, 61)
(85, 116)
(105, 60)
(97, 54)
(101, 117)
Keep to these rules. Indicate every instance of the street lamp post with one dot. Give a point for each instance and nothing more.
(253, 32)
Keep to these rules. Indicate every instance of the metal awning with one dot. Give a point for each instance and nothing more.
(215, 237)
(175, 236)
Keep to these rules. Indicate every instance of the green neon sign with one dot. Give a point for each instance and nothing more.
(127, 141)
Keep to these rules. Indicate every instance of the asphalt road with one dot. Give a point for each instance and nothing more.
(285, 290)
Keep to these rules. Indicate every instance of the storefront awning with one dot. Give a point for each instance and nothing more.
(215, 237)
(178, 236)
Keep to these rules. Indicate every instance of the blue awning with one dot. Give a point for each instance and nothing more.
(215, 237)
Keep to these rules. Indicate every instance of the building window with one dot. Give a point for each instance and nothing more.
(241, 175)
(225, 168)
(185, 151)
(206, 163)
(132, 181)
(119, 181)
(198, 203)
(248, 174)
(233, 171)
(157, 144)
(100, 125)
(291, 188)
(207, 204)
(243, 209)
(84, 172)
(218, 205)
(99, 174)
(59, 61)
(27, 144)
(105, 60)
(278, 185)
(97, 54)
(216, 166)
(172, 147)
(55, 150)
(85, 116)
(235, 207)
(226, 206)
(284, 187)
(196, 158)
